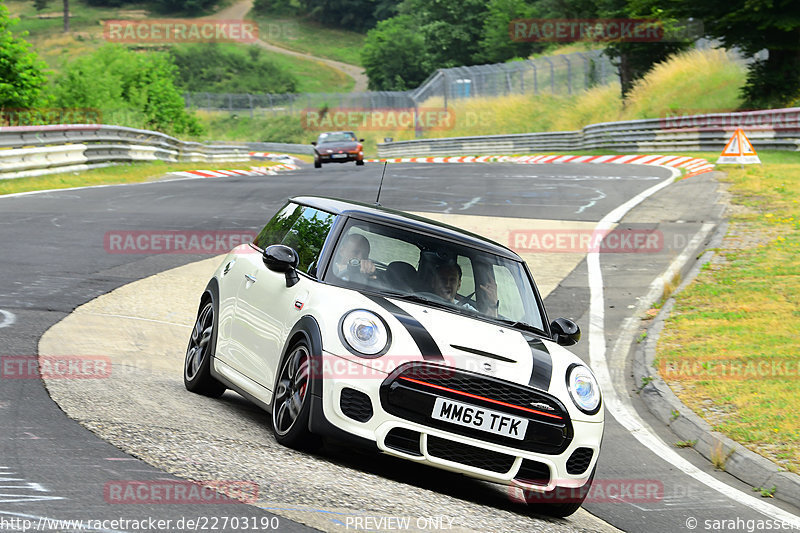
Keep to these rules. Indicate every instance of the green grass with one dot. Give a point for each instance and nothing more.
(127, 173)
(741, 312)
(313, 76)
(310, 37)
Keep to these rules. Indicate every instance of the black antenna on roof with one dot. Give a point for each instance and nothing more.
(378, 199)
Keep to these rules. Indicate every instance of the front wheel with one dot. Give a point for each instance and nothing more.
(291, 404)
(359, 162)
(197, 366)
(317, 164)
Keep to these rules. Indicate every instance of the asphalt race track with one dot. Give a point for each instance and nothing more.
(54, 259)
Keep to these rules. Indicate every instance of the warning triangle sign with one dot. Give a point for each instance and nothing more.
(738, 151)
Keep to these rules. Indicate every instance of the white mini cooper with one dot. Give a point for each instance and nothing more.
(429, 343)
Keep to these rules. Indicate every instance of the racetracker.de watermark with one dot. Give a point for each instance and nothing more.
(566, 240)
(180, 31)
(601, 491)
(180, 492)
(730, 370)
(175, 241)
(55, 367)
(747, 120)
(352, 118)
(603, 30)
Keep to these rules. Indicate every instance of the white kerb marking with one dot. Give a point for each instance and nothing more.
(7, 318)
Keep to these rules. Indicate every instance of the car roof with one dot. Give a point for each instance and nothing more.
(380, 214)
(329, 132)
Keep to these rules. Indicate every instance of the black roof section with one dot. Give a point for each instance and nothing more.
(375, 213)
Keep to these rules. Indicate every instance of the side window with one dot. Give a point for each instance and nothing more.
(307, 235)
(467, 278)
(277, 228)
(511, 304)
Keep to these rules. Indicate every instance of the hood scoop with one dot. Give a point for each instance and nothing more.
(481, 352)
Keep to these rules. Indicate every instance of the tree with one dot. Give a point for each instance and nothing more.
(394, 55)
(496, 45)
(451, 29)
(21, 71)
(752, 26)
(635, 59)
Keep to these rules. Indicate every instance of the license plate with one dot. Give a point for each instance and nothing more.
(339, 156)
(479, 418)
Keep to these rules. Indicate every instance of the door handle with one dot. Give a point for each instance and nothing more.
(250, 278)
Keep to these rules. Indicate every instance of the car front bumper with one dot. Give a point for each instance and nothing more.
(334, 158)
(350, 407)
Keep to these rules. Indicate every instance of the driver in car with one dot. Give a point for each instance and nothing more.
(447, 281)
(352, 261)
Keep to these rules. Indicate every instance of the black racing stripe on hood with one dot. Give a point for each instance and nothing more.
(542, 364)
(427, 346)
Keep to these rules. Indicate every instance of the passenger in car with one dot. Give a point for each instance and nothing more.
(352, 262)
(447, 281)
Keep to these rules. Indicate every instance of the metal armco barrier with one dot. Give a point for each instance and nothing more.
(38, 150)
(775, 129)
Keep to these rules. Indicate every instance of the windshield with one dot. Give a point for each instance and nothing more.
(424, 269)
(336, 137)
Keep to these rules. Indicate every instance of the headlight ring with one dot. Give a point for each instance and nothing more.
(583, 389)
(365, 333)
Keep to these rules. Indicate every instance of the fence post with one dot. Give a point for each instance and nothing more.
(445, 89)
(552, 75)
(569, 74)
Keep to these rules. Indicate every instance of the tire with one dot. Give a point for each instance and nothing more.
(359, 162)
(197, 376)
(291, 405)
(317, 164)
(550, 506)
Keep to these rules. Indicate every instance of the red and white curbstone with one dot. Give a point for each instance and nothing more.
(254, 171)
(692, 165)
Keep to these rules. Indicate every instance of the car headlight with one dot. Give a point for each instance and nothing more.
(583, 389)
(365, 333)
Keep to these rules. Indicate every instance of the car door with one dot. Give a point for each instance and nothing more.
(266, 308)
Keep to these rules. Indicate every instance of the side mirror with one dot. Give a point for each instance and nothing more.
(281, 258)
(313, 143)
(565, 331)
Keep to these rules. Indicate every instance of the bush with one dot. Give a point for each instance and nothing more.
(131, 89)
(218, 68)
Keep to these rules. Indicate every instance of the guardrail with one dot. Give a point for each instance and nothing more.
(775, 129)
(282, 147)
(37, 150)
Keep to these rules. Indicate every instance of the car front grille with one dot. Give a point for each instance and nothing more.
(356, 405)
(473, 456)
(403, 440)
(579, 461)
(533, 473)
(411, 391)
